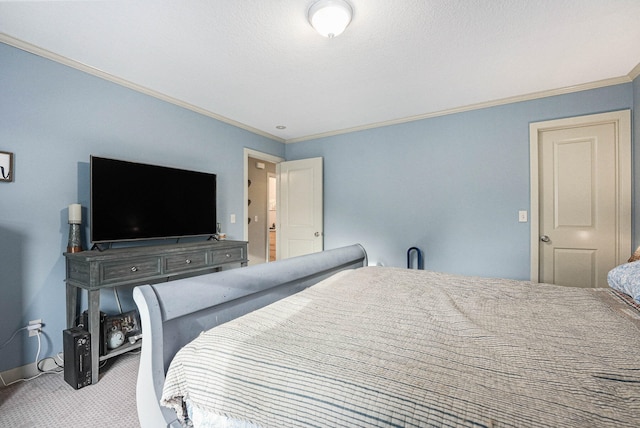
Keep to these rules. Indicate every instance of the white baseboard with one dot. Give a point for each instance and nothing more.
(27, 372)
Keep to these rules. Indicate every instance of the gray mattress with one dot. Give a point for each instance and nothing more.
(395, 347)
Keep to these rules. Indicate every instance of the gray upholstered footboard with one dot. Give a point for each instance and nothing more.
(174, 313)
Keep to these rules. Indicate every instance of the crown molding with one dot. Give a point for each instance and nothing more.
(36, 50)
(635, 72)
(478, 106)
(28, 47)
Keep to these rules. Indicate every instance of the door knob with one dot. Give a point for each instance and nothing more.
(316, 234)
(545, 238)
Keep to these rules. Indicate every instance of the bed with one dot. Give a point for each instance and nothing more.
(338, 343)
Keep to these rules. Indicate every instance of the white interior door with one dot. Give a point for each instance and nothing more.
(300, 208)
(583, 197)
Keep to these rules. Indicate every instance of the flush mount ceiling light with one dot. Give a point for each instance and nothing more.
(330, 17)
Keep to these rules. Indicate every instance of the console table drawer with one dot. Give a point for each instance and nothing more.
(130, 269)
(185, 261)
(226, 256)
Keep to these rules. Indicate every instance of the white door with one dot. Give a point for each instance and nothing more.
(300, 208)
(583, 198)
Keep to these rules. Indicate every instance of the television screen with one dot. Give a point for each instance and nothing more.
(133, 201)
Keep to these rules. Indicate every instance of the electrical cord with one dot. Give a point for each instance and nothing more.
(115, 293)
(12, 336)
(37, 362)
(59, 367)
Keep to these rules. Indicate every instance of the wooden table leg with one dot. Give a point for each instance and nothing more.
(94, 330)
(72, 305)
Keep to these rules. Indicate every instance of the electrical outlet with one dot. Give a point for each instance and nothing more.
(522, 217)
(34, 327)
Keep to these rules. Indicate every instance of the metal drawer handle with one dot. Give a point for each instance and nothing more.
(228, 255)
(188, 261)
(134, 269)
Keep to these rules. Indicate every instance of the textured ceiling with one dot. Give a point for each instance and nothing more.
(259, 64)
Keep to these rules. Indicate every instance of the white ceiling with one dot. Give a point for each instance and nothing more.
(259, 64)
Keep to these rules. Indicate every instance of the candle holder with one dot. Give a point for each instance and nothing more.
(75, 219)
(74, 245)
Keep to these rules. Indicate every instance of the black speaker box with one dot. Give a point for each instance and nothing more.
(76, 344)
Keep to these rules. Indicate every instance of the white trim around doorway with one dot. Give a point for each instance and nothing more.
(257, 155)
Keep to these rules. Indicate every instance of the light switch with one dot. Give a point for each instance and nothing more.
(232, 219)
(522, 216)
(255, 219)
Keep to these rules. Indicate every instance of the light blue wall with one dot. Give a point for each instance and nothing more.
(451, 185)
(53, 118)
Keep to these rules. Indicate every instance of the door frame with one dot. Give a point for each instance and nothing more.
(622, 120)
(245, 206)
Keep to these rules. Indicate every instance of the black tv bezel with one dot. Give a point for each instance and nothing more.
(154, 238)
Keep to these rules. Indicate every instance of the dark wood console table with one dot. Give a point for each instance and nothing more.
(95, 270)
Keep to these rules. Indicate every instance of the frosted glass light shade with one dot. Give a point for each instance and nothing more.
(330, 17)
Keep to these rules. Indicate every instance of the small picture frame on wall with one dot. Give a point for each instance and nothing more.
(6, 167)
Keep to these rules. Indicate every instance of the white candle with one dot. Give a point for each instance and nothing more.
(75, 213)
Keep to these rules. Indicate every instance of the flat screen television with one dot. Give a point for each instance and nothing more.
(134, 201)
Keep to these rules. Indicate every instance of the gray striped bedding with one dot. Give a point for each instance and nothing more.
(393, 347)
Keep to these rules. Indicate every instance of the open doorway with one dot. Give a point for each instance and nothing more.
(262, 214)
(260, 218)
(272, 214)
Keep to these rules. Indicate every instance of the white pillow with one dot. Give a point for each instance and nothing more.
(626, 278)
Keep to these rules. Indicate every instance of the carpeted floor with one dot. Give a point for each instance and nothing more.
(49, 402)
